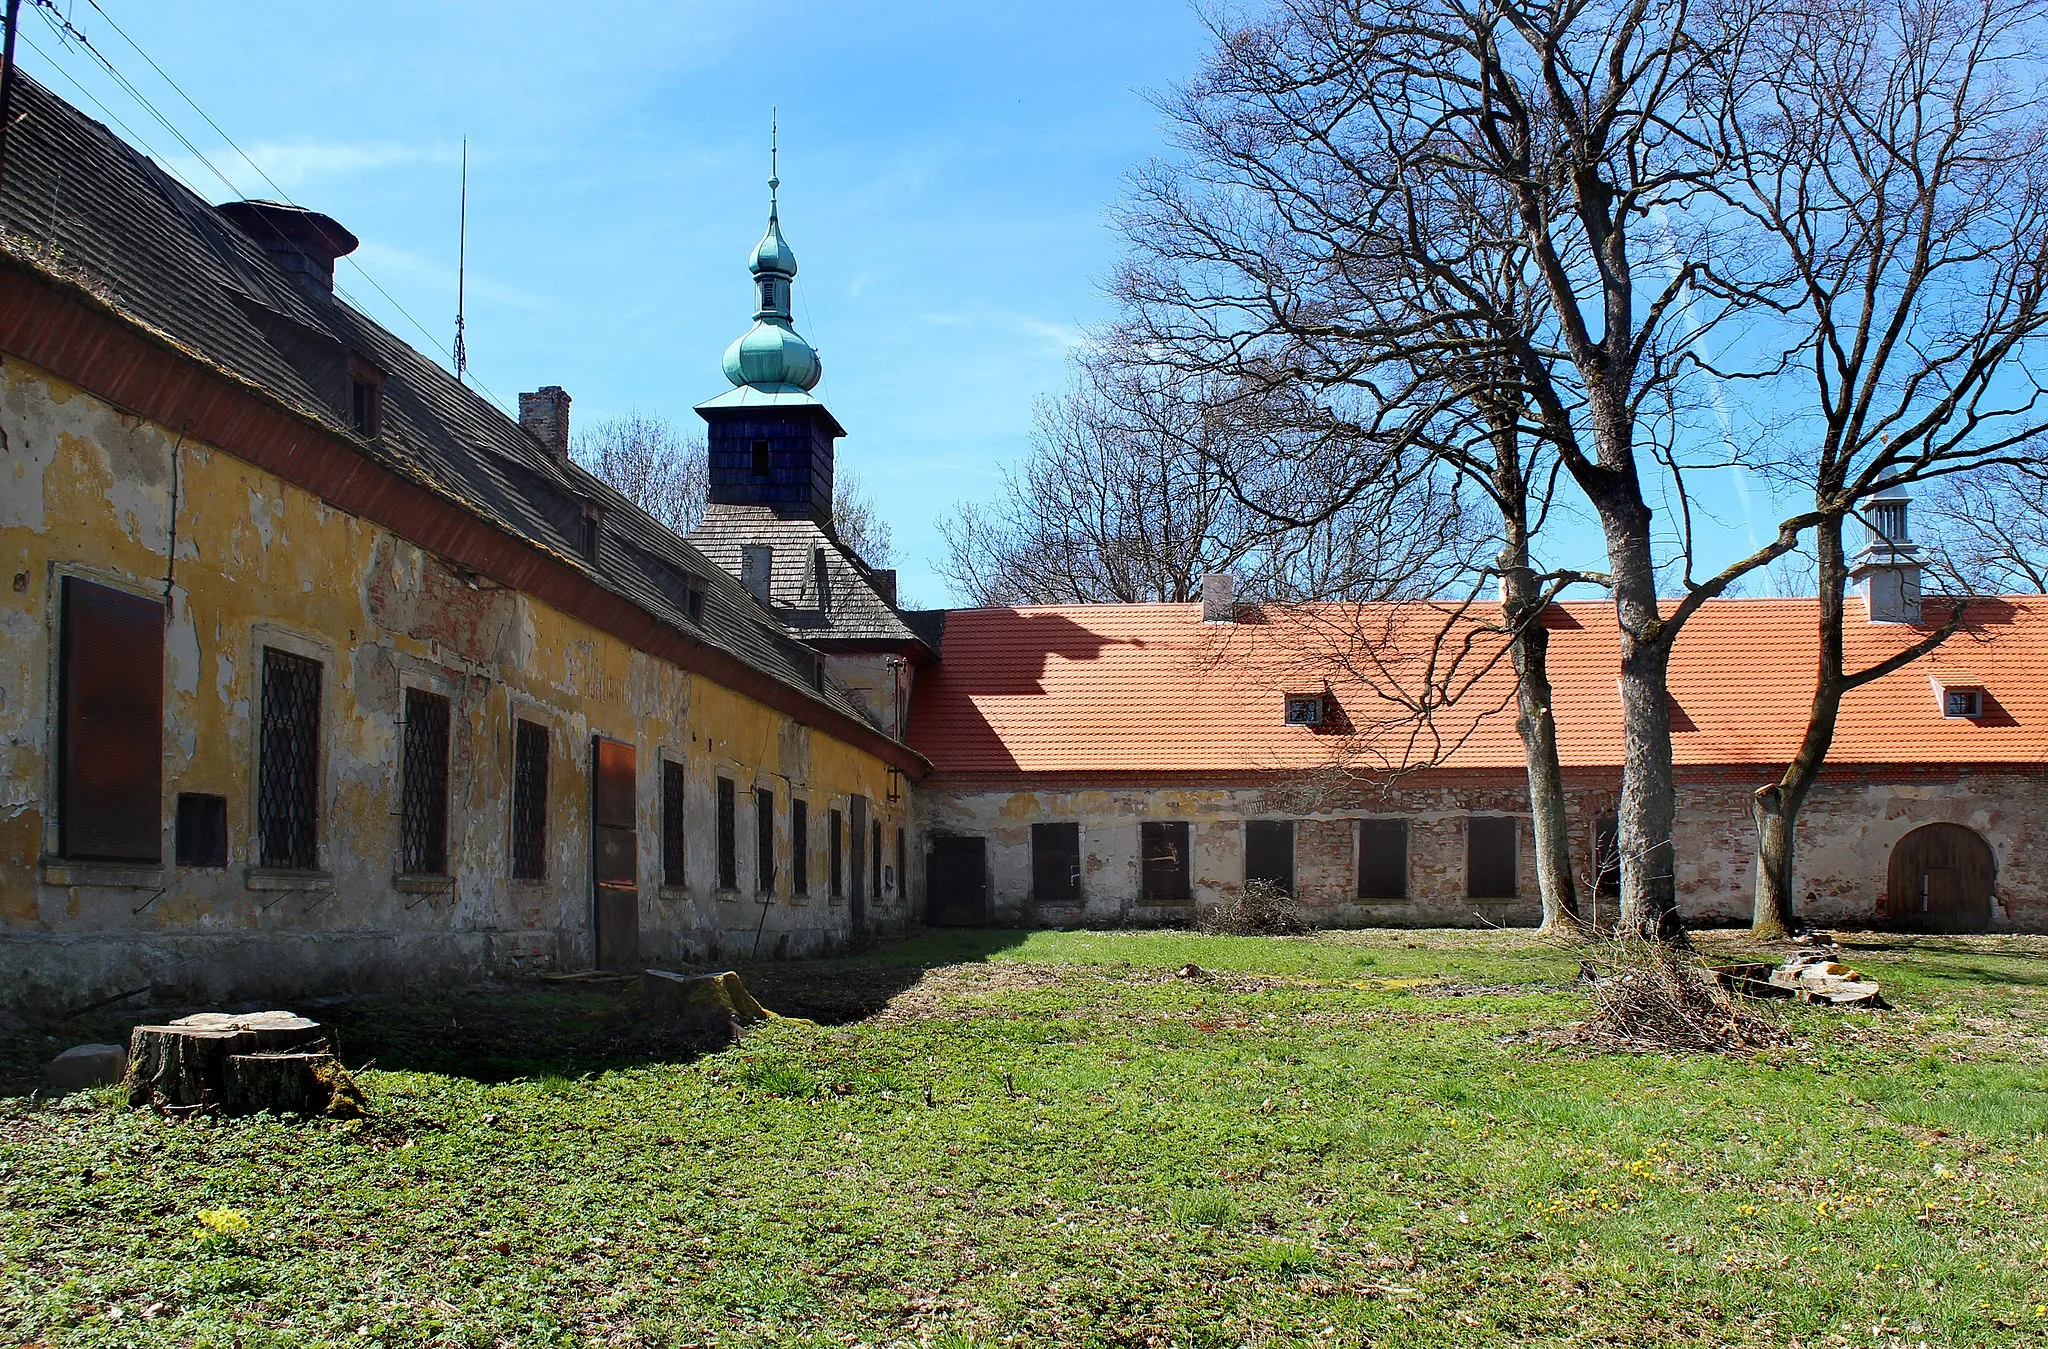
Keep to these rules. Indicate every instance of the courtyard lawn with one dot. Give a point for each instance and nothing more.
(1049, 1138)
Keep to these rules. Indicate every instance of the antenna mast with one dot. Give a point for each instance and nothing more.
(462, 266)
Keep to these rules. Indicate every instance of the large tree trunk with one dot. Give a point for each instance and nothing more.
(1649, 885)
(1773, 913)
(1521, 605)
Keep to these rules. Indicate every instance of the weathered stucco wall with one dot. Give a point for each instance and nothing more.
(87, 491)
(1846, 835)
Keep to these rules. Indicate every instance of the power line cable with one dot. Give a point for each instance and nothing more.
(66, 30)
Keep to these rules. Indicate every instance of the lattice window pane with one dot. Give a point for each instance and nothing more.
(728, 836)
(530, 801)
(800, 847)
(674, 856)
(423, 844)
(288, 774)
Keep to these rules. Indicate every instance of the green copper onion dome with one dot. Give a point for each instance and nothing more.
(770, 356)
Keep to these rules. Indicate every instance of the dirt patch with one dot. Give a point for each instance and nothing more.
(949, 990)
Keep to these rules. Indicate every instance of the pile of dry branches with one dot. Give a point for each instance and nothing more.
(1658, 999)
(1260, 909)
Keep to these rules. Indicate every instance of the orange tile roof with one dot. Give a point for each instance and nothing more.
(1137, 689)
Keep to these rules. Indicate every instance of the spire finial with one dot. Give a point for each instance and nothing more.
(774, 172)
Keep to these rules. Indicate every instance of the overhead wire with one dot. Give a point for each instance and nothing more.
(66, 31)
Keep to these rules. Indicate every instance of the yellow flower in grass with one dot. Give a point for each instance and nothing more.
(221, 1227)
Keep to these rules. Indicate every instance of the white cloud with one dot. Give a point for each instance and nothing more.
(1057, 338)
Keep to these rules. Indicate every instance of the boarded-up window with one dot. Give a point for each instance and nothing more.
(1607, 857)
(423, 833)
(615, 814)
(529, 801)
(1269, 853)
(288, 764)
(110, 725)
(675, 856)
(1490, 856)
(1056, 863)
(1163, 861)
(1383, 859)
(838, 851)
(728, 835)
(764, 840)
(800, 847)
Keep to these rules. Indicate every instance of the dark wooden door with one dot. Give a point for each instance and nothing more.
(1940, 880)
(615, 852)
(956, 882)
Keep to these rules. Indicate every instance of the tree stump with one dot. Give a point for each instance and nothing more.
(198, 1062)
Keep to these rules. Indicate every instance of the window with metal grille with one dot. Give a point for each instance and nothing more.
(728, 836)
(1163, 861)
(674, 856)
(1269, 853)
(764, 840)
(875, 862)
(1055, 863)
(288, 766)
(202, 837)
(529, 801)
(800, 847)
(423, 836)
(110, 725)
(838, 859)
(1383, 859)
(1490, 842)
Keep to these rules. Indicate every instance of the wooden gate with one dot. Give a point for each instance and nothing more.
(956, 882)
(1940, 880)
(615, 852)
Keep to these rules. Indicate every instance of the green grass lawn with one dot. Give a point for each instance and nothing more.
(1050, 1139)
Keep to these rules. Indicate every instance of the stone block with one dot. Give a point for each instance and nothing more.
(83, 1066)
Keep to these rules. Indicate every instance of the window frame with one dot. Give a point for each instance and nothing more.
(764, 840)
(799, 845)
(1043, 860)
(315, 780)
(727, 829)
(1382, 824)
(1182, 890)
(837, 852)
(1493, 824)
(1293, 842)
(675, 812)
(517, 862)
(406, 768)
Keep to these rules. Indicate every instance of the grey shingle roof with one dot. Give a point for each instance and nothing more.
(81, 203)
(854, 609)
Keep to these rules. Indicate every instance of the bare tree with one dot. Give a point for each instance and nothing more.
(650, 461)
(1326, 143)
(1989, 529)
(1133, 491)
(1893, 155)
(664, 471)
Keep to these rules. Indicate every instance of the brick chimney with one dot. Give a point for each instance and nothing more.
(545, 415)
(1219, 598)
(884, 581)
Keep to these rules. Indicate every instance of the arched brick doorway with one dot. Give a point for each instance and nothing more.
(1940, 880)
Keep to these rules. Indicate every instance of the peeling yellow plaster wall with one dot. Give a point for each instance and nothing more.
(88, 491)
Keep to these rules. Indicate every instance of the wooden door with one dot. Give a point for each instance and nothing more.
(1940, 880)
(615, 852)
(956, 882)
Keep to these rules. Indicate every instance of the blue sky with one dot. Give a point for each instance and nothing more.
(948, 169)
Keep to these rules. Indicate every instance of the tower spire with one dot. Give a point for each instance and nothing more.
(774, 173)
(771, 355)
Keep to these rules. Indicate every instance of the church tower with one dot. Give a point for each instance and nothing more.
(769, 440)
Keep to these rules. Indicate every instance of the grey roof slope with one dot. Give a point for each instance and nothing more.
(81, 203)
(855, 610)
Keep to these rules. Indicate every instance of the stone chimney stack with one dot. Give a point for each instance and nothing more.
(545, 415)
(1219, 598)
(1888, 569)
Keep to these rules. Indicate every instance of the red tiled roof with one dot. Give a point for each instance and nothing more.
(1149, 688)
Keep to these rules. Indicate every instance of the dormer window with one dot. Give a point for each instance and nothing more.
(1304, 709)
(1959, 695)
(590, 532)
(365, 397)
